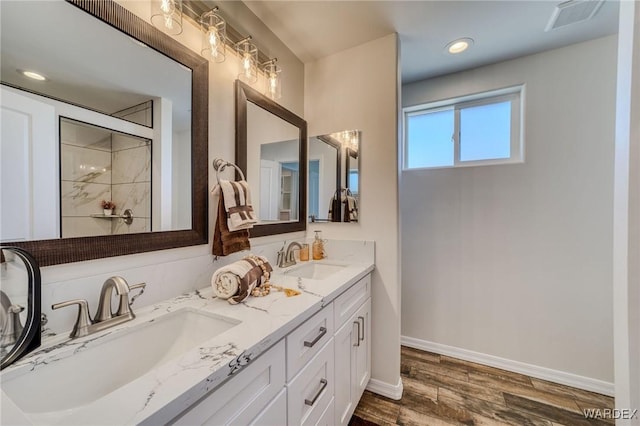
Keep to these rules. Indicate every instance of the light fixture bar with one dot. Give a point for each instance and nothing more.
(193, 10)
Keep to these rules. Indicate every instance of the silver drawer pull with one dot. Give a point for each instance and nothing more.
(323, 331)
(313, 401)
(357, 343)
(361, 319)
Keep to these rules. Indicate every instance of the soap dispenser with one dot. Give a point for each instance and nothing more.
(318, 247)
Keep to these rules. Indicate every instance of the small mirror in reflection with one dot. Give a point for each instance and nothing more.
(334, 171)
(14, 294)
(19, 304)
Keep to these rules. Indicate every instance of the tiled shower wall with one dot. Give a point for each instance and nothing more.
(131, 182)
(86, 179)
(97, 165)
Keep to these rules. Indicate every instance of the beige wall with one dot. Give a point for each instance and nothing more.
(357, 89)
(514, 261)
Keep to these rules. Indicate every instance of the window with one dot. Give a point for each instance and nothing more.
(481, 129)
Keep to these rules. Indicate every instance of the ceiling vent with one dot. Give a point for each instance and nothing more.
(573, 11)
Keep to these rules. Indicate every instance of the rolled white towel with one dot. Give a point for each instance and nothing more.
(240, 277)
(225, 284)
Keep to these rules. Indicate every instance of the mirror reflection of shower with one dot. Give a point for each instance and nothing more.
(100, 165)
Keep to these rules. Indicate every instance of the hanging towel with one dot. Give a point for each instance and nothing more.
(351, 208)
(237, 204)
(251, 272)
(226, 242)
(343, 207)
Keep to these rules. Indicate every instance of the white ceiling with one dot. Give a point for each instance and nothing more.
(501, 29)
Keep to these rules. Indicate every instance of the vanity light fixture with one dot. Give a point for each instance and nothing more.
(33, 75)
(167, 15)
(214, 35)
(272, 82)
(248, 52)
(459, 45)
(348, 138)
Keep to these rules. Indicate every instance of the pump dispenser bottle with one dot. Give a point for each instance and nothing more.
(318, 247)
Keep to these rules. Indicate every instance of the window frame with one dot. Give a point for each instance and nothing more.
(514, 94)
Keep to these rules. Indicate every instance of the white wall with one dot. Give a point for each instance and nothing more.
(358, 89)
(514, 261)
(626, 240)
(170, 272)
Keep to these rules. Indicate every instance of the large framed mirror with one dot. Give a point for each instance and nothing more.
(334, 172)
(271, 151)
(121, 116)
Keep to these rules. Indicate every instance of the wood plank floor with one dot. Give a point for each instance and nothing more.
(440, 390)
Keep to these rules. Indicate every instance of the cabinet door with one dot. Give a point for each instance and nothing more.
(275, 414)
(345, 340)
(242, 398)
(363, 350)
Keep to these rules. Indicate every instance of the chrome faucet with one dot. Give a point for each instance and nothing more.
(104, 303)
(286, 258)
(104, 317)
(10, 325)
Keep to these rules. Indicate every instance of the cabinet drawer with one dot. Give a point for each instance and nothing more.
(311, 392)
(349, 301)
(327, 417)
(242, 398)
(307, 340)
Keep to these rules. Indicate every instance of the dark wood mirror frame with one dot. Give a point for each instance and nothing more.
(244, 94)
(53, 252)
(347, 166)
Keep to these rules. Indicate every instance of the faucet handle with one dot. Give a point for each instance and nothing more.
(81, 327)
(141, 286)
(281, 259)
(125, 303)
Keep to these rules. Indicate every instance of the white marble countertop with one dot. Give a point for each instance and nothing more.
(162, 393)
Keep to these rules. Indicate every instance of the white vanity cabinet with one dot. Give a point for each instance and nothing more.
(352, 349)
(313, 376)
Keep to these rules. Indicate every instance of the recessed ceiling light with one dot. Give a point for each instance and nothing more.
(459, 45)
(34, 75)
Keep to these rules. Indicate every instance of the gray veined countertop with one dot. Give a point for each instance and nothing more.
(165, 391)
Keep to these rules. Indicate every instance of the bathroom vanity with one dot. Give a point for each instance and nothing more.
(195, 359)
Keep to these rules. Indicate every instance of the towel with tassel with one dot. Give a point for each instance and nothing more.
(249, 273)
(237, 204)
(225, 241)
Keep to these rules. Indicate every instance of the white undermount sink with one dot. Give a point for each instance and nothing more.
(315, 271)
(113, 361)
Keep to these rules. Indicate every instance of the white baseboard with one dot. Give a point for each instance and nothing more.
(556, 376)
(385, 389)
